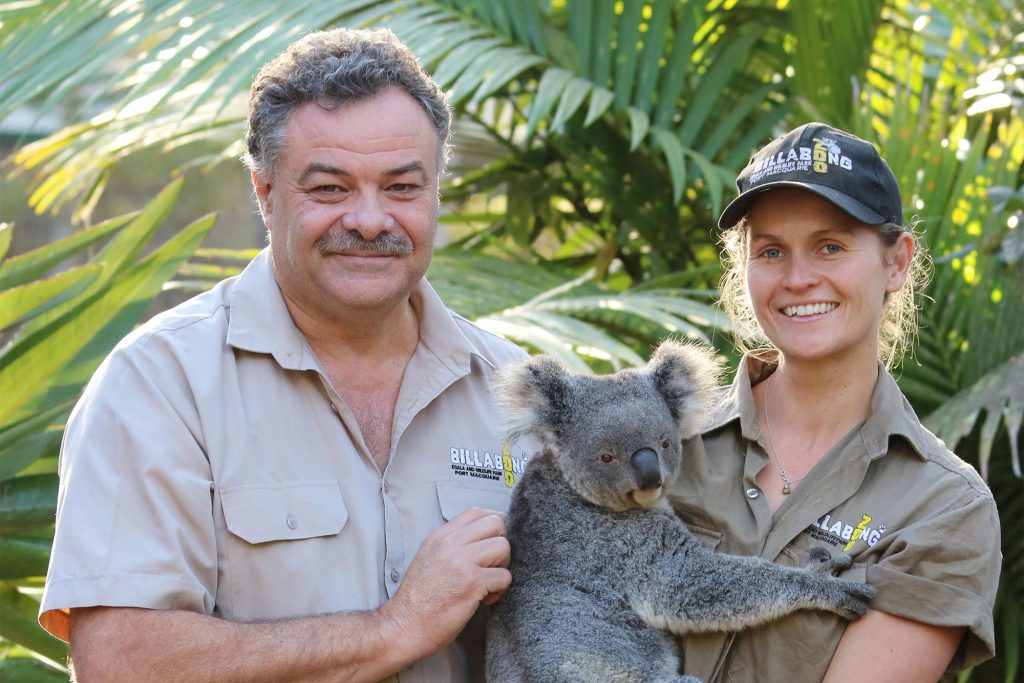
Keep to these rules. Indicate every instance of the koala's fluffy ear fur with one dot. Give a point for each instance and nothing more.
(535, 396)
(684, 374)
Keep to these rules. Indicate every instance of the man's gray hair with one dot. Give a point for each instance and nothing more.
(332, 68)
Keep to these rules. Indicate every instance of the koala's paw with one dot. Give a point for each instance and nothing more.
(820, 561)
(851, 598)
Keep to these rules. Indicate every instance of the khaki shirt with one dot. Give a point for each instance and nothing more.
(919, 523)
(210, 466)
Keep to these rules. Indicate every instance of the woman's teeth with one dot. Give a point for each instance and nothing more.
(808, 309)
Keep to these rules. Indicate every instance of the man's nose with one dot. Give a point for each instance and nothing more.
(367, 215)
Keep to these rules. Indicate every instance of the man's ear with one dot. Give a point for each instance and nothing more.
(898, 258)
(261, 184)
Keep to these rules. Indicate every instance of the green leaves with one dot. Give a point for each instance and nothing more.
(587, 324)
(59, 328)
(1000, 396)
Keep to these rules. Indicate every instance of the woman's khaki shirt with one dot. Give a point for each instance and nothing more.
(919, 523)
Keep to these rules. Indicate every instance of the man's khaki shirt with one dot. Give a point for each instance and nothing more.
(210, 466)
(919, 523)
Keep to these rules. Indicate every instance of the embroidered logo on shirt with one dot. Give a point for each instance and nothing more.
(503, 466)
(840, 532)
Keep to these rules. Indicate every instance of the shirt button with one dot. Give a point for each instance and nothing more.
(394, 575)
(753, 493)
(291, 522)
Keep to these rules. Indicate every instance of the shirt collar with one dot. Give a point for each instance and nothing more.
(259, 322)
(440, 332)
(890, 413)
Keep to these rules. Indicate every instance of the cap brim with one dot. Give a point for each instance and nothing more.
(739, 207)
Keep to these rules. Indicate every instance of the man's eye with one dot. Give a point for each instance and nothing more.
(402, 187)
(833, 248)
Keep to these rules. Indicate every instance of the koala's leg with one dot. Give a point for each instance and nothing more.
(694, 590)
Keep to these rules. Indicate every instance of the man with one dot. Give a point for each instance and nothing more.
(294, 476)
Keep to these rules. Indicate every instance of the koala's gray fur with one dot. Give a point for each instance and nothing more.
(604, 575)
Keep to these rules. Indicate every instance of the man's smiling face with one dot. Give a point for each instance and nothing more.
(352, 205)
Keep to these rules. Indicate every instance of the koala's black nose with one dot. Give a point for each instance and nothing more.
(648, 469)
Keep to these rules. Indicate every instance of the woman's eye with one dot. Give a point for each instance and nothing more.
(771, 252)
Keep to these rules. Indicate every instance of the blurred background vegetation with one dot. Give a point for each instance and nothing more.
(596, 143)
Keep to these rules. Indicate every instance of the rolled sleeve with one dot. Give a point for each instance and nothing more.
(944, 571)
(134, 514)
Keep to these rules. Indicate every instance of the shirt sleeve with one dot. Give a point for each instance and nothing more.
(944, 570)
(134, 512)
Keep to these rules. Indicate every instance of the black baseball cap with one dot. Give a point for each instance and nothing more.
(833, 164)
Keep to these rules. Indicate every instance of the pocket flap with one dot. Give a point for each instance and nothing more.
(283, 511)
(456, 497)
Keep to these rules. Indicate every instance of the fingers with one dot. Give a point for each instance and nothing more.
(491, 552)
(482, 541)
(497, 580)
(477, 523)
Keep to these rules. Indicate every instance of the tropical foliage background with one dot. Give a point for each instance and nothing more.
(596, 143)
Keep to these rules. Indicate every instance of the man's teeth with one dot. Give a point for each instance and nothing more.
(809, 309)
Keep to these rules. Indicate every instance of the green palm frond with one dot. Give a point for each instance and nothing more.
(187, 67)
(1000, 396)
(585, 323)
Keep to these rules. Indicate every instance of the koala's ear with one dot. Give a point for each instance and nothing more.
(535, 396)
(685, 375)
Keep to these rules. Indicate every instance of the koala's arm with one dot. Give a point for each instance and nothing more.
(685, 588)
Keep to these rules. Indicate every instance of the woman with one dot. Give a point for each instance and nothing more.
(813, 445)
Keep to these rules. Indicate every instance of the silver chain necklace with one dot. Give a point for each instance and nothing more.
(786, 481)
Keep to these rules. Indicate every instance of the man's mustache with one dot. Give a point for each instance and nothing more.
(344, 241)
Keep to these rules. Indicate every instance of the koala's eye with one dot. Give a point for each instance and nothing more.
(607, 457)
(665, 443)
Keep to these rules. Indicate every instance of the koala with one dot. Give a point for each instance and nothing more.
(605, 576)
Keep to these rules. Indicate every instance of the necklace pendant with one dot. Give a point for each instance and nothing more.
(785, 490)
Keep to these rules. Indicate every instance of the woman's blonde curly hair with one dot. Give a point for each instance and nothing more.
(897, 328)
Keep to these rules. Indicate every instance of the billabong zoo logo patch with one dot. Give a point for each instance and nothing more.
(824, 155)
(495, 466)
(847, 534)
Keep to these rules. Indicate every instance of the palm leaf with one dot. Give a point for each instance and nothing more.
(1000, 395)
(197, 57)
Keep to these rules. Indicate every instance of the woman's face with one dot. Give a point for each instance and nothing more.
(817, 278)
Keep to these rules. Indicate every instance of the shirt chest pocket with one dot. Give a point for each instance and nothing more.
(281, 549)
(261, 513)
(457, 497)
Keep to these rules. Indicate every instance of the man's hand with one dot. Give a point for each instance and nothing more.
(459, 566)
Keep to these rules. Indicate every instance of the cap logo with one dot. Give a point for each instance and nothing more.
(819, 158)
(826, 152)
